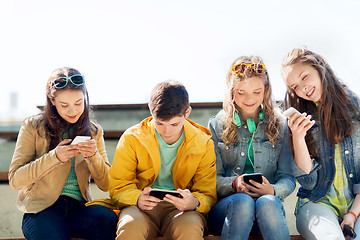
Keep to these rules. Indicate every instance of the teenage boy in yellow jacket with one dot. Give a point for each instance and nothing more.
(165, 151)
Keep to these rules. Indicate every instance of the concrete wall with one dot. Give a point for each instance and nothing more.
(6, 152)
(111, 119)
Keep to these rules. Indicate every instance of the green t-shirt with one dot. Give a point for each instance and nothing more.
(71, 187)
(249, 164)
(167, 155)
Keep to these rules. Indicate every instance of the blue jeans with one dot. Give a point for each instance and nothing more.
(67, 218)
(236, 215)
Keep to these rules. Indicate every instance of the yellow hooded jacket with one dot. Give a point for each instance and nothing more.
(137, 164)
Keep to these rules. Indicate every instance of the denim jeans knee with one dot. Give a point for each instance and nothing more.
(233, 216)
(270, 215)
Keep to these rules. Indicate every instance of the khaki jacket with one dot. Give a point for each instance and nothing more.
(40, 176)
(137, 164)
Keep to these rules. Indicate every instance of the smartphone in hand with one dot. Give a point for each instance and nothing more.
(79, 139)
(348, 231)
(160, 193)
(290, 111)
(257, 177)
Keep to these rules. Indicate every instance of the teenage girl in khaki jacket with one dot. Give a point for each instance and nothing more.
(53, 176)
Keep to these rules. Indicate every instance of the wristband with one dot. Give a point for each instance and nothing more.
(233, 183)
(352, 213)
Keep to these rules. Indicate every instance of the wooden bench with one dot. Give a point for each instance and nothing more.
(293, 237)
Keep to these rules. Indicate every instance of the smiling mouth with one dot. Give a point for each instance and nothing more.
(249, 105)
(310, 92)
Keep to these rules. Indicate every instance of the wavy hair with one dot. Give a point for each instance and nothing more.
(334, 110)
(51, 119)
(272, 129)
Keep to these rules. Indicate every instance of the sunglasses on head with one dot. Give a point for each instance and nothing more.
(240, 68)
(61, 82)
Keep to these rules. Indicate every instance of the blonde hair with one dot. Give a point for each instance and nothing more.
(229, 106)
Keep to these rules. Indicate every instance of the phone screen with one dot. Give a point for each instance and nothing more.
(160, 194)
(257, 177)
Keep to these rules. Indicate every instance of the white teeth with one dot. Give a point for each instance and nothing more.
(312, 90)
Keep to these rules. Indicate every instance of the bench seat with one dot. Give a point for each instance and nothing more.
(293, 237)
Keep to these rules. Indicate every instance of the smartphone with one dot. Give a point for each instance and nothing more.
(160, 193)
(348, 231)
(79, 139)
(290, 111)
(257, 177)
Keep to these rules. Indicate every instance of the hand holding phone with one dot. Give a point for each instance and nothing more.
(79, 139)
(257, 177)
(290, 111)
(348, 231)
(160, 193)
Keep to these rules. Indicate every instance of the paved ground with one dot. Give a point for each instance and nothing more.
(10, 216)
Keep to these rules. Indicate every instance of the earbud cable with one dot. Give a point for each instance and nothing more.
(248, 151)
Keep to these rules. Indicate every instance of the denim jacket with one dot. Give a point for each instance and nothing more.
(316, 184)
(272, 161)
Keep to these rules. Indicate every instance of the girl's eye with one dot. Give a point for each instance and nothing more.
(240, 93)
(257, 92)
(64, 106)
(78, 103)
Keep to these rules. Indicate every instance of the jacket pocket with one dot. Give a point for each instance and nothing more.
(229, 154)
(270, 152)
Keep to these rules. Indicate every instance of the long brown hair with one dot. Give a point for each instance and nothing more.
(51, 119)
(230, 129)
(334, 112)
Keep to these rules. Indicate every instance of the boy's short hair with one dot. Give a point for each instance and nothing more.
(168, 99)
